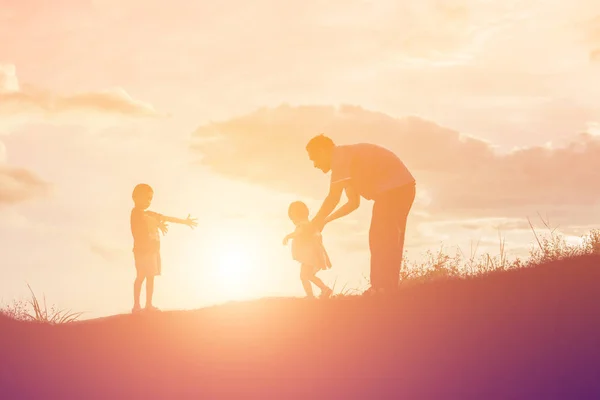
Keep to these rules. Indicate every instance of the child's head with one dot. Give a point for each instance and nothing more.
(298, 212)
(142, 195)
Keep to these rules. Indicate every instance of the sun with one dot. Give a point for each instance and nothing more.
(235, 263)
(233, 267)
(232, 260)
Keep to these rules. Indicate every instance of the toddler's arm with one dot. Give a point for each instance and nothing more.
(288, 237)
(302, 229)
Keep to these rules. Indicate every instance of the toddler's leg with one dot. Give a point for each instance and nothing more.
(317, 281)
(305, 277)
(325, 290)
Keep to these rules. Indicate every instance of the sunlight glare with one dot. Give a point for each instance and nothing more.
(232, 266)
(234, 262)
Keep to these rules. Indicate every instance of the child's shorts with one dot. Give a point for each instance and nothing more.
(147, 264)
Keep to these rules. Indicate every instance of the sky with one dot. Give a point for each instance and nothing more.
(494, 105)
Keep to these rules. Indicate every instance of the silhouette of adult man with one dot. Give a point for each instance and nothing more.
(374, 173)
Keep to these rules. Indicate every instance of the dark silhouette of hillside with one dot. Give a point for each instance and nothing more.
(520, 334)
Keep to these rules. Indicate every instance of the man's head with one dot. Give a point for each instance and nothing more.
(142, 195)
(298, 212)
(320, 150)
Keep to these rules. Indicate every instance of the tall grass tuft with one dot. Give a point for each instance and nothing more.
(52, 316)
(33, 310)
(547, 246)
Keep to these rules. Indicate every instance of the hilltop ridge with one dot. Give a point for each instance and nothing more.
(524, 333)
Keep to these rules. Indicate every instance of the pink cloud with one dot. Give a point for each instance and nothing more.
(108, 253)
(19, 184)
(25, 104)
(461, 174)
(25, 100)
(592, 29)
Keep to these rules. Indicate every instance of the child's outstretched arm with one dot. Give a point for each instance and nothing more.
(189, 221)
(160, 221)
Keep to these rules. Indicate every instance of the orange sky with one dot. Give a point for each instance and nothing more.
(494, 105)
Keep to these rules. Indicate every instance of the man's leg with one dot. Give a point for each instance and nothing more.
(390, 216)
(403, 205)
(379, 235)
(396, 264)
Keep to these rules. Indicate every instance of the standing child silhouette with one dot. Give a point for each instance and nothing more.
(308, 250)
(145, 226)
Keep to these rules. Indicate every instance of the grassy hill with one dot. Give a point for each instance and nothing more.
(518, 334)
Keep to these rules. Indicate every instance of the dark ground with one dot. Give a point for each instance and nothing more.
(526, 334)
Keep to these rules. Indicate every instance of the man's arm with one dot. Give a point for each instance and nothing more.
(351, 205)
(329, 204)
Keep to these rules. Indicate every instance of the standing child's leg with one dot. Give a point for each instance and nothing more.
(154, 264)
(137, 289)
(305, 275)
(149, 291)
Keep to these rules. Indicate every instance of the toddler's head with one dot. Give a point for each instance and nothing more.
(298, 212)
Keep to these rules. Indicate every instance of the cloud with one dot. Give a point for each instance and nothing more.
(108, 253)
(18, 185)
(470, 236)
(2, 153)
(478, 224)
(458, 173)
(441, 59)
(594, 38)
(592, 33)
(21, 103)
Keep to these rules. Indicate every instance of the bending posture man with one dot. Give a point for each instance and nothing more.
(374, 173)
